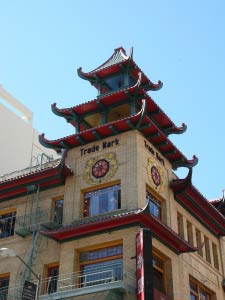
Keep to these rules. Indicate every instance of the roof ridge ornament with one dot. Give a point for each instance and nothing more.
(175, 130)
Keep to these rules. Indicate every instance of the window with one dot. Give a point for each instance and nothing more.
(101, 265)
(101, 201)
(215, 256)
(158, 273)
(154, 205)
(199, 242)
(198, 291)
(180, 225)
(4, 284)
(118, 81)
(207, 249)
(52, 278)
(58, 211)
(190, 233)
(7, 224)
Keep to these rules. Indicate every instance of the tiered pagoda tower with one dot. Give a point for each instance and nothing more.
(122, 105)
(116, 221)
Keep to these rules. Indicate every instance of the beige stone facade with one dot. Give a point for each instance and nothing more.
(132, 156)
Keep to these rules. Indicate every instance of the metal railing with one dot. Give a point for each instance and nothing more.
(83, 279)
(104, 277)
(29, 170)
(32, 220)
(11, 293)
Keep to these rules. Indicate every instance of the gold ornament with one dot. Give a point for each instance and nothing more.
(100, 168)
(155, 175)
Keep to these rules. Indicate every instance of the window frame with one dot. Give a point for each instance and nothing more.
(199, 241)
(207, 249)
(50, 267)
(5, 276)
(86, 203)
(153, 200)
(162, 270)
(12, 226)
(215, 256)
(199, 288)
(180, 224)
(190, 234)
(53, 206)
(91, 262)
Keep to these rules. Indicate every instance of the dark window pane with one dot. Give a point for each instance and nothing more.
(58, 211)
(7, 224)
(4, 283)
(53, 273)
(158, 280)
(102, 201)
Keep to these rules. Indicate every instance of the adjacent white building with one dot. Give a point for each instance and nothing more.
(19, 143)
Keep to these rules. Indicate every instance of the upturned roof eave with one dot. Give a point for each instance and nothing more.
(19, 186)
(138, 121)
(108, 69)
(160, 230)
(72, 114)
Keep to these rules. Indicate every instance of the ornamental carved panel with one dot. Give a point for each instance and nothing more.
(100, 169)
(155, 175)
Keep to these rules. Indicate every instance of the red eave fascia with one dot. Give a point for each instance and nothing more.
(208, 211)
(30, 178)
(93, 105)
(150, 132)
(160, 230)
(44, 178)
(20, 191)
(202, 209)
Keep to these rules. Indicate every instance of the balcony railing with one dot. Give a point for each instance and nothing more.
(27, 223)
(110, 278)
(3, 293)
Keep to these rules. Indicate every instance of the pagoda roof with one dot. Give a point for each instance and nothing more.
(73, 114)
(118, 62)
(190, 198)
(28, 180)
(141, 121)
(118, 220)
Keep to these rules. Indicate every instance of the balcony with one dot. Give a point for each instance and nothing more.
(27, 223)
(111, 278)
(103, 282)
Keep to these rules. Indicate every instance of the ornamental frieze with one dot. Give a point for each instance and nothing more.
(101, 168)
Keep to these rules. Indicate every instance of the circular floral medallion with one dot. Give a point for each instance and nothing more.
(155, 174)
(100, 168)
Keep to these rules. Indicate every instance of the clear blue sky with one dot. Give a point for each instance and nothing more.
(182, 43)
